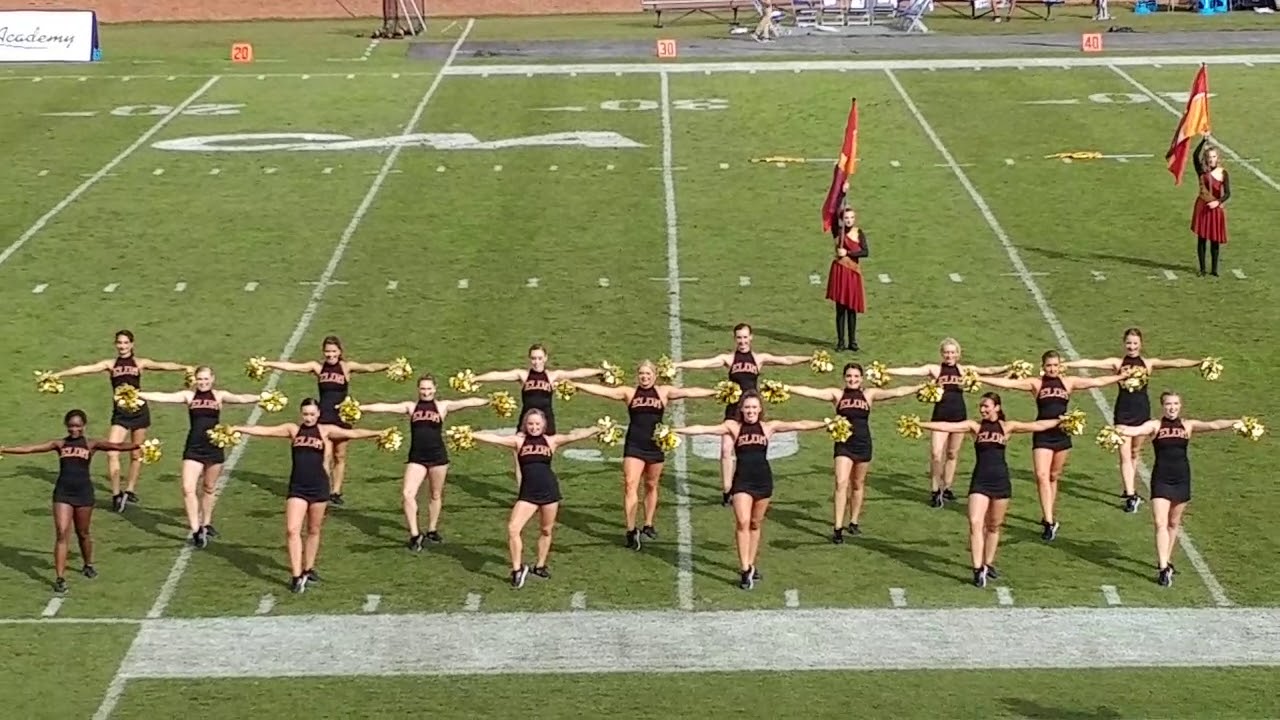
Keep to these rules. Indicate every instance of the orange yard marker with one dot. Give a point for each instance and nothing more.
(666, 49)
(1091, 42)
(241, 53)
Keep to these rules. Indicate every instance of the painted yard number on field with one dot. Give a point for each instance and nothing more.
(198, 110)
(639, 105)
(1118, 99)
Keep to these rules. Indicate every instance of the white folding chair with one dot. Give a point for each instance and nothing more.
(911, 17)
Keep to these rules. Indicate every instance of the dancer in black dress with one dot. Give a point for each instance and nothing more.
(309, 491)
(333, 378)
(853, 456)
(1051, 448)
(72, 491)
(537, 488)
(744, 366)
(944, 448)
(1133, 406)
(127, 426)
(428, 456)
(990, 487)
(752, 488)
(537, 384)
(641, 457)
(1171, 475)
(201, 459)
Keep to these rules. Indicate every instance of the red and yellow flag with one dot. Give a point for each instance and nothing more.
(1195, 121)
(846, 165)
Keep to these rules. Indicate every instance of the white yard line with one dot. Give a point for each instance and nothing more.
(116, 689)
(855, 65)
(796, 639)
(83, 187)
(1050, 316)
(1216, 141)
(684, 519)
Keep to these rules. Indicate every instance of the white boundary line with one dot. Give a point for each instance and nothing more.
(796, 639)
(734, 67)
(111, 165)
(1197, 560)
(1177, 113)
(116, 688)
(684, 517)
(856, 65)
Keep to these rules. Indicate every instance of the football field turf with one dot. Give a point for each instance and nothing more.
(622, 214)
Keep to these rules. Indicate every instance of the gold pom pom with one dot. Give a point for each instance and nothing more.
(255, 368)
(821, 362)
(1250, 428)
(223, 437)
(1021, 369)
(969, 381)
(273, 401)
(400, 370)
(774, 392)
(839, 428)
(1108, 439)
(931, 392)
(151, 451)
(728, 392)
(349, 411)
(909, 427)
(612, 375)
(665, 438)
(459, 437)
(565, 390)
(610, 433)
(502, 403)
(1135, 378)
(189, 378)
(1073, 422)
(876, 374)
(1211, 368)
(389, 440)
(48, 383)
(126, 397)
(666, 370)
(464, 381)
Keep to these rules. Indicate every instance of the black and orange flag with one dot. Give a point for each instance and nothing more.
(846, 165)
(1194, 121)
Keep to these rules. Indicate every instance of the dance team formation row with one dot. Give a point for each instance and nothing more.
(320, 436)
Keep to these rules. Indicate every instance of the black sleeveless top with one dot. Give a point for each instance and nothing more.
(426, 430)
(534, 457)
(1172, 466)
(1053, 398)
(644, 412)
(744, 371)
(536, 392)
(125, 371)
(308, 457)
(331, 383)
(949, 378)
(1133, 407)
(853, 406)
(988, 448)
(73, 468)
(204, 411)
(751, 446)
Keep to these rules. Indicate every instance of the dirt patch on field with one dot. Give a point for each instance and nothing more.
(215, 10)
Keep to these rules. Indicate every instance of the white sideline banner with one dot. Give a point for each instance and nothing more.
(48, 36)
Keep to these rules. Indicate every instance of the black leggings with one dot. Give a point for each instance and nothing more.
(1213, 253)
(846, 318)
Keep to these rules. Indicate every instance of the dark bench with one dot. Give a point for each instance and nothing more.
(689, 7)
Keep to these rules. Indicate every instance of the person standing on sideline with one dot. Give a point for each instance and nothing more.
(1209, 215)
(844, 281)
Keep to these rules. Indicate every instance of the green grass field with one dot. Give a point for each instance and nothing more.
(460, 258)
